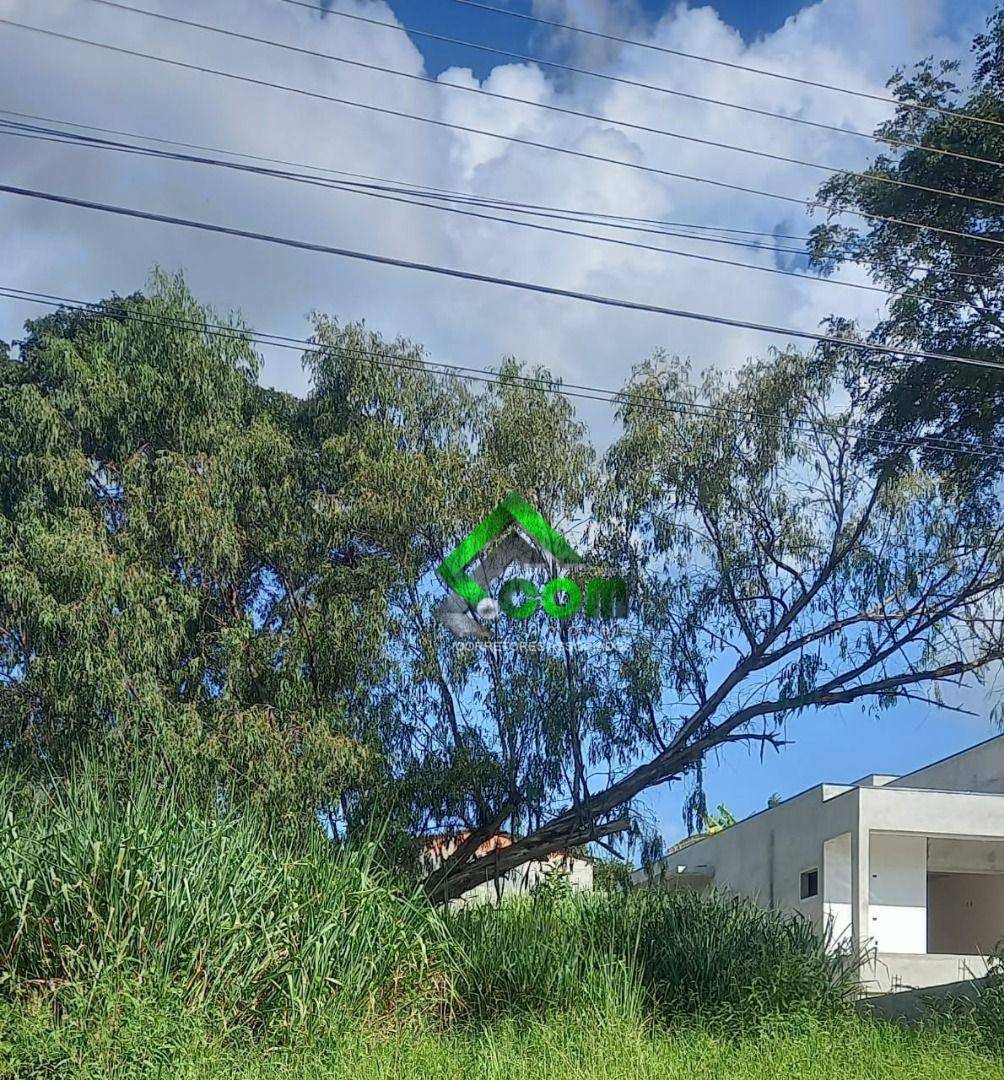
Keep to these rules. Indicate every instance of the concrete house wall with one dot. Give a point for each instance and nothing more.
(897, 892)
(909, 869)
(764, 856)
(576, 872)
(837, 889)
(980, 768)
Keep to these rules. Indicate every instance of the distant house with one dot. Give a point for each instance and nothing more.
(908, 868)
(574, 869)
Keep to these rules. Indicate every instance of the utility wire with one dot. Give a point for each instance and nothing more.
(590, 217)
(90, 142)
(885, 98)
(830, 426)
(497, 50)
(607, 219)
(564, 110)
(468, 129)
(491, 279)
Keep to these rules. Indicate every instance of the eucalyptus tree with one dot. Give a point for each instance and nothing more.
(935, 236)
(773, 572)
(245, 583)
(474, 737)
(242, 582)
(174, 578)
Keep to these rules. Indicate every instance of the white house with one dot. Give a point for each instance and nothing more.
(908, 868)
(575, 870)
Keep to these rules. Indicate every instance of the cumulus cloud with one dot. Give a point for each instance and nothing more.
(79, 253)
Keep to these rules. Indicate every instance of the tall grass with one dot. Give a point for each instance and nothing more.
(165, 887)
(163, 890)
(145, 1038)
(651, 952)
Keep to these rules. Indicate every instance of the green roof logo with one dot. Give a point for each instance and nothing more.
(560, 598)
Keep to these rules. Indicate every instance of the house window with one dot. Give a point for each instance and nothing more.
(808, 884)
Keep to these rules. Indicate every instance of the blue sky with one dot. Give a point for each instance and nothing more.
(749, 17)
(75, 254)
(752, 18)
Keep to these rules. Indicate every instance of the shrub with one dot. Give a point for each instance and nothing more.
(986, 1010)
(674, 953)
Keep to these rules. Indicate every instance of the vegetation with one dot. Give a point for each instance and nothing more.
(159, 887)
(228, 715)
(145, 929)
(241, 584)
(135, 1038)
(950, 273)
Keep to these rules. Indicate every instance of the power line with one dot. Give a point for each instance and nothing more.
(384, 193)
(516, 140)
(487, 376)
(491, 279)
(591, 217)
(884, 98)
(581, 114)
(412, 31)
(610, 220)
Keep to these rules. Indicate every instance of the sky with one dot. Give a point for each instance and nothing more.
(751, 18)
(77, 253)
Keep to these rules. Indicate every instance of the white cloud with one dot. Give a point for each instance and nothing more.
(79, 253)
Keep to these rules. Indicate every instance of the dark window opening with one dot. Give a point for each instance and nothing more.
(808, 884)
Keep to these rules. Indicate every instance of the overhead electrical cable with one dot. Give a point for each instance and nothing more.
(920, 106)
(492, 279)
(591, 217)
(417, 197)
(516, 140)
(346, 187)
(411, 31)
(605, 218)
(833, 170)
(827, 425)
(615, 220)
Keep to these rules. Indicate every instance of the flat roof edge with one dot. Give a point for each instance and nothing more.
(949, 757)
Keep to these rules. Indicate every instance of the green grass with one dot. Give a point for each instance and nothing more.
(272, 929)
(128, 1038)
(147, 930)
(643, 954)
(166, 888)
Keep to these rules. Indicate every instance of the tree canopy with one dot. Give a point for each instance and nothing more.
(948, 273)
(176, 572)
(242, 582)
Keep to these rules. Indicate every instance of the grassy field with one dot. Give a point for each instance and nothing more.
(137, 1040)
(150, 932)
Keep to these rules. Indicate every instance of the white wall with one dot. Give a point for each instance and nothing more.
(577, 873)
(934, 813)
(763, 856)
(980, 768)
(837, 910)
(954, 855)
(897, 892)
